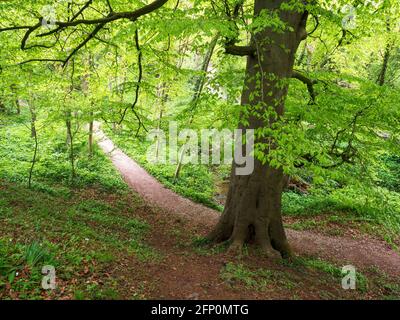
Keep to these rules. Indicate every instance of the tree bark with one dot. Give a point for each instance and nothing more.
(163, 97)
(198, 89)
(16, 100)
(33, 135)
(382, 74)
(253, 207)
(33, 120)
(70, 142)
(18, 106)
(90, 140)
(68, 124)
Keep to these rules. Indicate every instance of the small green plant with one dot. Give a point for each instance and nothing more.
(259, 279)
(376, 206)
(35, 253)
(328, 268)
(202, 246)
(144, 252)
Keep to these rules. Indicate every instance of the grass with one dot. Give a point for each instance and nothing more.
(195, 181)
(376, 207)
(89, 226)
(328, 268)
(82, 227)
(19, 260)
(302, 275)
(303, 225)
(78, 236)
(201, 246)
(52, 172)
(380, 211)
(260, 279)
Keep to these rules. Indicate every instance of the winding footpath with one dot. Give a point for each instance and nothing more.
(360, 252)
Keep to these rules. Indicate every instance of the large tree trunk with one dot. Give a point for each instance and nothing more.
(253, 207)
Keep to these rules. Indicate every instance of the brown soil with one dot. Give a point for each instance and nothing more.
(185, 275)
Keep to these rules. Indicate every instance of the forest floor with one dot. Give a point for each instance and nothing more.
(187, 277)
(107, 241)
(113, 245)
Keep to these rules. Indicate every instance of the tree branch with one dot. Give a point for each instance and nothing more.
(250, 51)
(113, 16)
(308, 82)
(91, 35)
(109, 6)
(140, 76)
(28, 33)
(15, 28)
(87, 4)
(131, 15)
(139, 81)
(40, 60)
(240, 50)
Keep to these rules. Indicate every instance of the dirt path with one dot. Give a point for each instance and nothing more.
(150, 189)
(361, 252)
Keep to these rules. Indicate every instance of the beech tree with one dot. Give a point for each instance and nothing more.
(253, 206)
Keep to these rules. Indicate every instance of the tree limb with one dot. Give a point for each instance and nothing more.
(113, 16)
(91, 35)
(14, 28)
(308, 82)
(40, 60)
(240, 50)
(87, 4)
(139, 81)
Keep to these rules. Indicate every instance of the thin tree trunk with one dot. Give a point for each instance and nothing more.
(163, 96)
(18, 106)
(158, 128)
(33, 162)
(382, 74)
(70, 141)
(253, 207)
(33, 121)
(91, 135)
(68, 126)
(196, 95)
(85, 90)
(180, 161)
(16, 100)
(33, 135)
